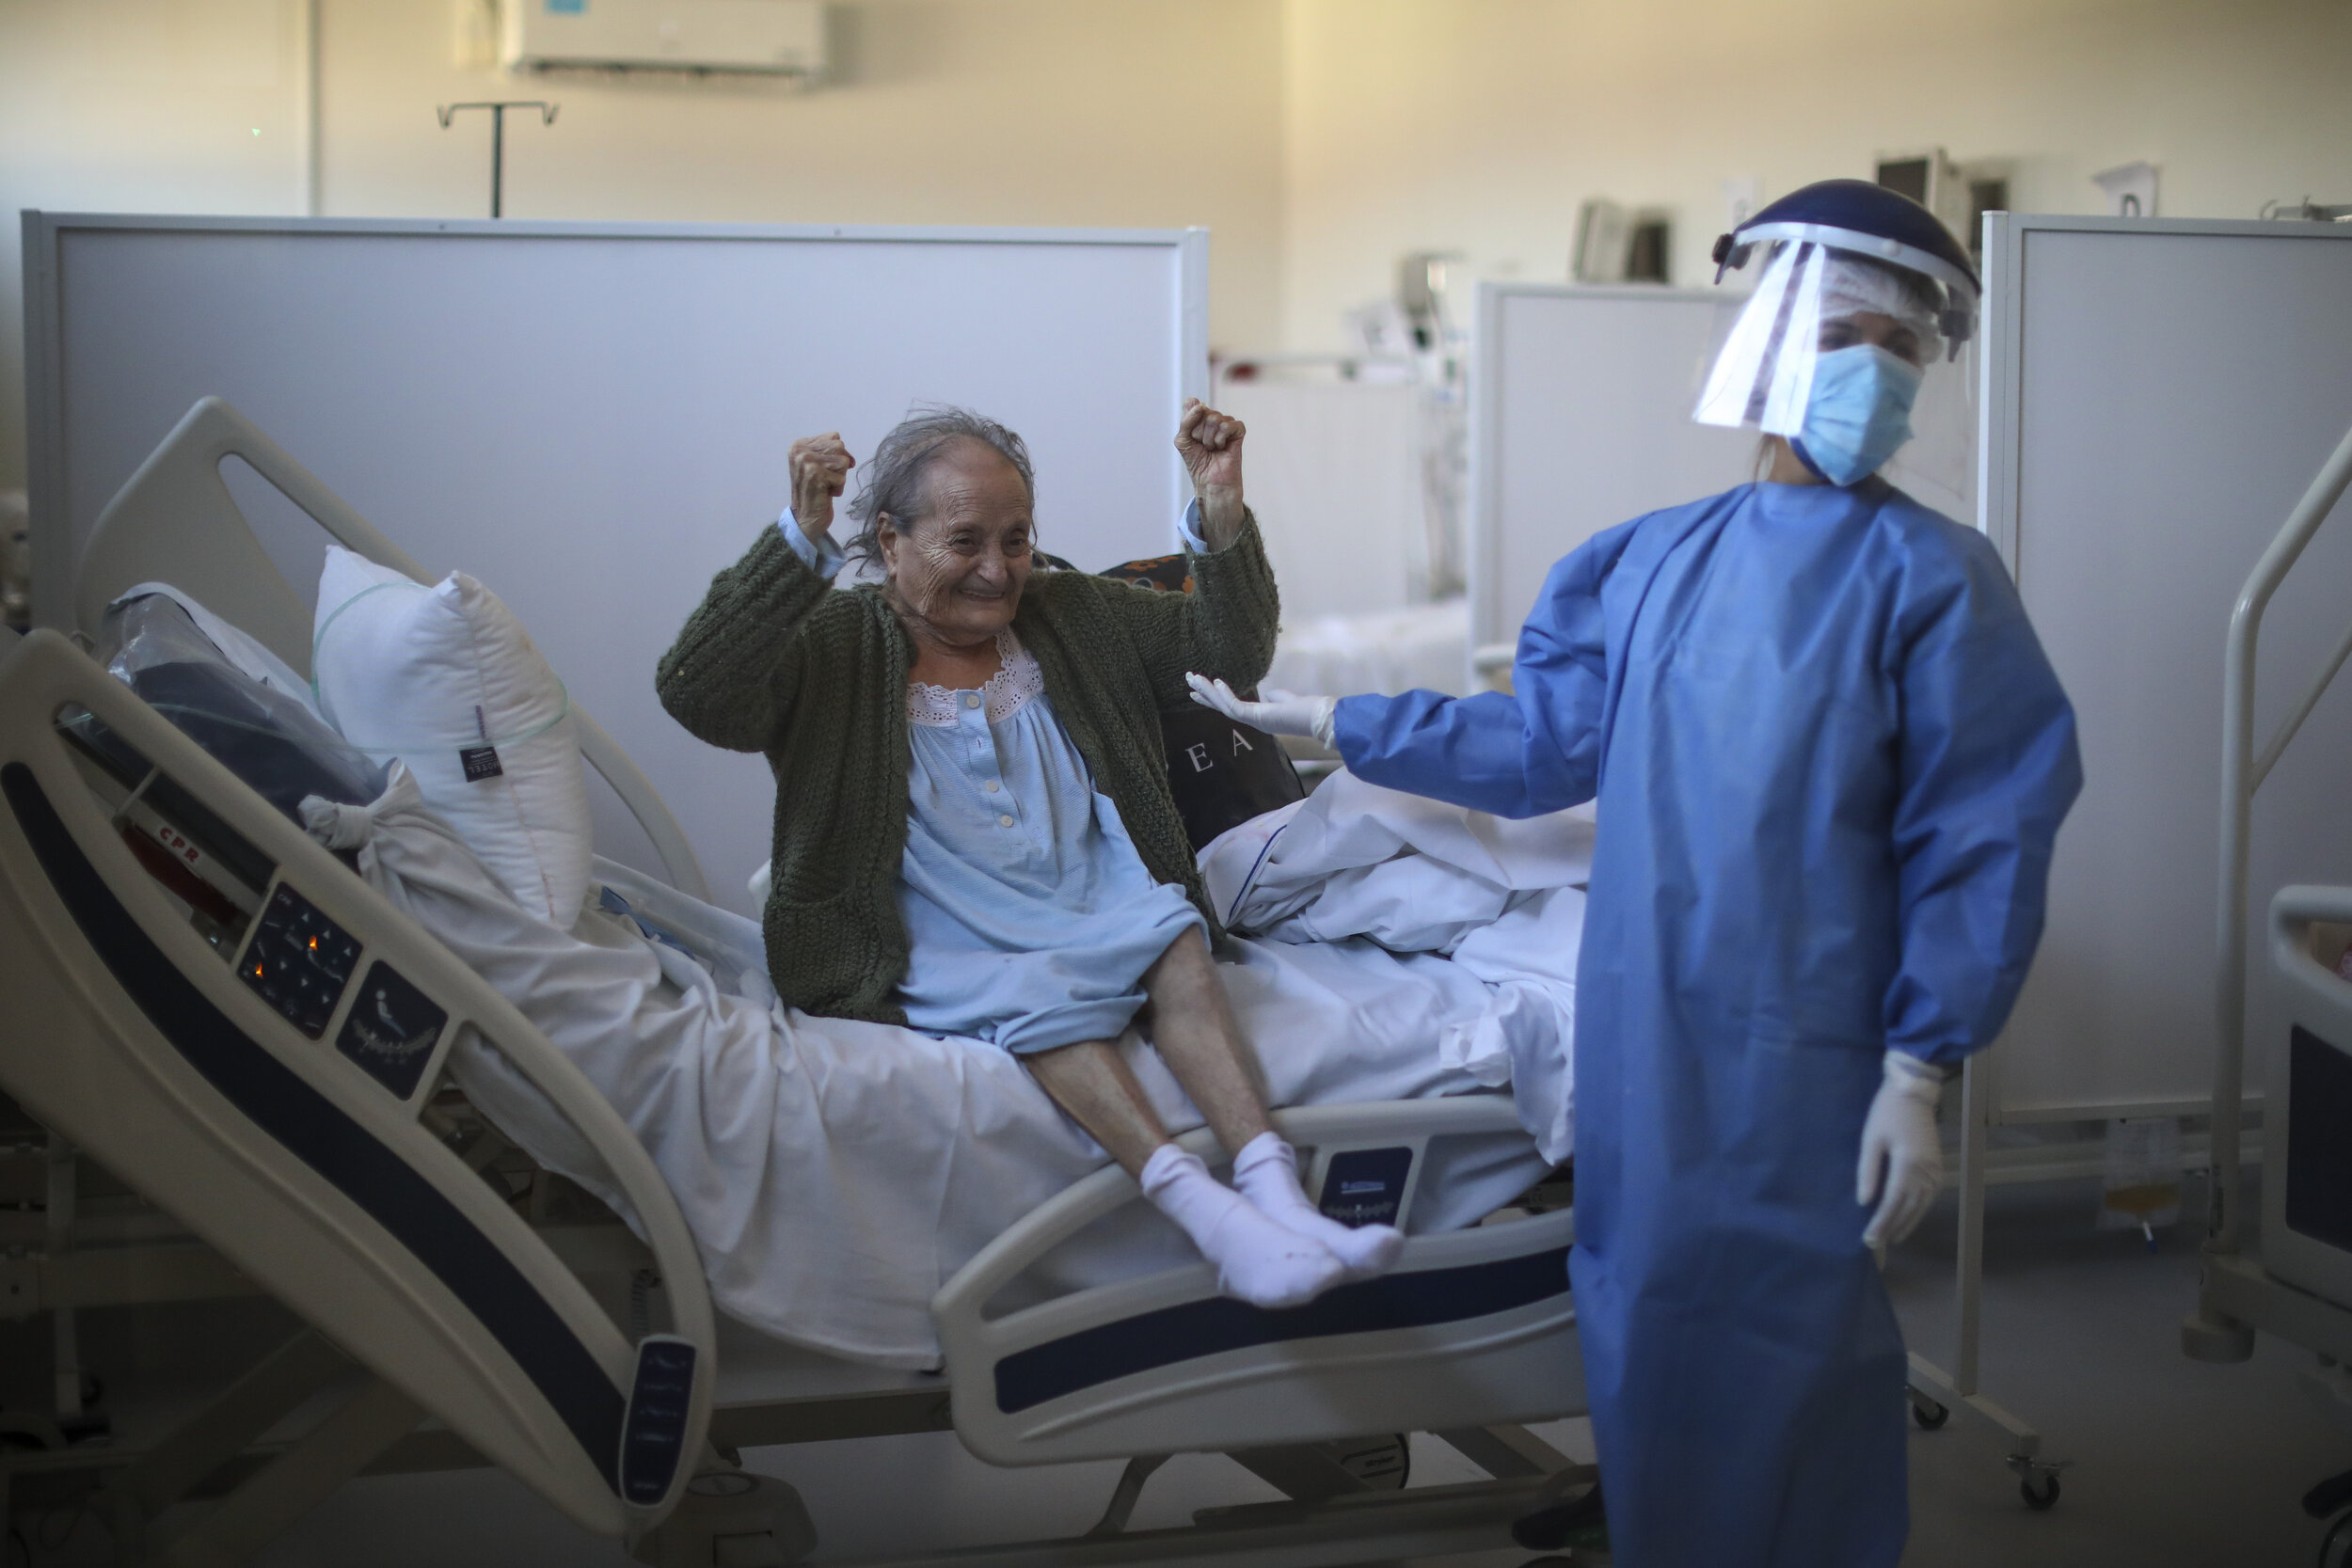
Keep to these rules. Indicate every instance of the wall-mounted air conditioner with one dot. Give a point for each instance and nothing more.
(777, 38)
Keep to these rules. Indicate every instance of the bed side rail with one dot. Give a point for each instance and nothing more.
(1471, 1328)
(231, 1020)
(2242, 774)
(175, 522)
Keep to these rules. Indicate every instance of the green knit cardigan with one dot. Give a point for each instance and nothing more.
(776, 660)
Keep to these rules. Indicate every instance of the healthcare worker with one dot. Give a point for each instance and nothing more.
(1830, 760)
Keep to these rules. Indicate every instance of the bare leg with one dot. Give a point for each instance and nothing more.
(1194, 1029)
(1195, 1032)
(1093, 1082)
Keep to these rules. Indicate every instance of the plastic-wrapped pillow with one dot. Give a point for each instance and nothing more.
(160, 647)
(447, 679)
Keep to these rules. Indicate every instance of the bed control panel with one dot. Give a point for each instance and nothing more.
(1366, 1186)
(298, 960)
(391, 1029)
(652, 1434)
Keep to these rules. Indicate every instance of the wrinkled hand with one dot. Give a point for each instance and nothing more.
(820, 468)
(1210, 444)
(1901, 1150)
(1287, 715)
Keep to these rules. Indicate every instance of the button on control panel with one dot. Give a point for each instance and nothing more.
(298, 960)
(391, 1029)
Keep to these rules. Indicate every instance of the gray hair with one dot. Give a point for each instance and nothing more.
(892, 484)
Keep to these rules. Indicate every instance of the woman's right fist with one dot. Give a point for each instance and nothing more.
(820, 468)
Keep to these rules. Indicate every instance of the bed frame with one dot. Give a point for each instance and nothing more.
(463, 1306)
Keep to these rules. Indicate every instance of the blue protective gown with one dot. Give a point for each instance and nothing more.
(1831, 759)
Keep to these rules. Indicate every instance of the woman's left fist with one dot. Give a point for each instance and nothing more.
(1210, 444)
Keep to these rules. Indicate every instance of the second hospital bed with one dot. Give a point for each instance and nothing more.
(484, 1319)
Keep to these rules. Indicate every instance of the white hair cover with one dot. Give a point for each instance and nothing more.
(1851, 287)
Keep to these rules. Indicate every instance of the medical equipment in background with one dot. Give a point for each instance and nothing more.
(2306, 211)
(1420, 323)
(785, 40)
(153, 908)
(1364, 457)
(498, 108)
(2130, 189)
(1617, 245)
(2298, 1284)
(1337, 454)
(1958, 194)
(2141, 1189)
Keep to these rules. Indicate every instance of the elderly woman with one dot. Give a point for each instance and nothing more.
(973, 833)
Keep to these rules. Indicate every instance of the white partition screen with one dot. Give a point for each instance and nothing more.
(1335, 470)
(2160, 393)
(592, 418)
(1581, 420)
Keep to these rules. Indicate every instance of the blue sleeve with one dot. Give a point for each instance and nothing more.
(824, 558)
(1988, 767)
(1517, 755)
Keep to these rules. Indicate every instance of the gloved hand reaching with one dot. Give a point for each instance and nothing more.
(1901, 1150)
(1286, 716)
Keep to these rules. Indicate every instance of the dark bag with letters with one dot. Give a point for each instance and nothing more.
(1222, 772)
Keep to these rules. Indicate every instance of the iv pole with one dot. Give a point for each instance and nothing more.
(498, 137)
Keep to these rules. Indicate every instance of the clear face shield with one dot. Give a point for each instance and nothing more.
(1846, 357)
(1763, 372)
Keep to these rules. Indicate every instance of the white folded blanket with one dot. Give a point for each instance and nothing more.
(1504, 900)
(834, 1174)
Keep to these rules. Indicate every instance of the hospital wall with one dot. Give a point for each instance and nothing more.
(1318, 139)
(1478, 125)
(1000, 112)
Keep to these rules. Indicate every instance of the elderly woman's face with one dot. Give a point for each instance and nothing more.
(960, 568)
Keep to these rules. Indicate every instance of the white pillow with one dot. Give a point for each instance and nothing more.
(446, 679)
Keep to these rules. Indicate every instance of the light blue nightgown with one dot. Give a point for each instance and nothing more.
(1029, 914)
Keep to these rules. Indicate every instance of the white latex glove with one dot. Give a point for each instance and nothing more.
(1901, 1150)
(1291, 716)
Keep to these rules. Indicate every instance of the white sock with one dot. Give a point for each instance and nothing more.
(1258, 1261)
(1266, 1171)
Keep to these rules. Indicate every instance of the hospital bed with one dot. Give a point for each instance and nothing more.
(2293, 1276)
(463, 1306)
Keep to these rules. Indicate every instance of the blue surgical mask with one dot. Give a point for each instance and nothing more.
(1859, 413)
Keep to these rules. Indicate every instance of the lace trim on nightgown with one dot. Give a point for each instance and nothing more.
(1004, 694)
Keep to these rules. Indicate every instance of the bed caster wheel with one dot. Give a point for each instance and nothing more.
(1929, 1414)
(2038, 1480)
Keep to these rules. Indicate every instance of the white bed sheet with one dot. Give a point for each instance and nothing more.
(834, 1173)
(1389, 652)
